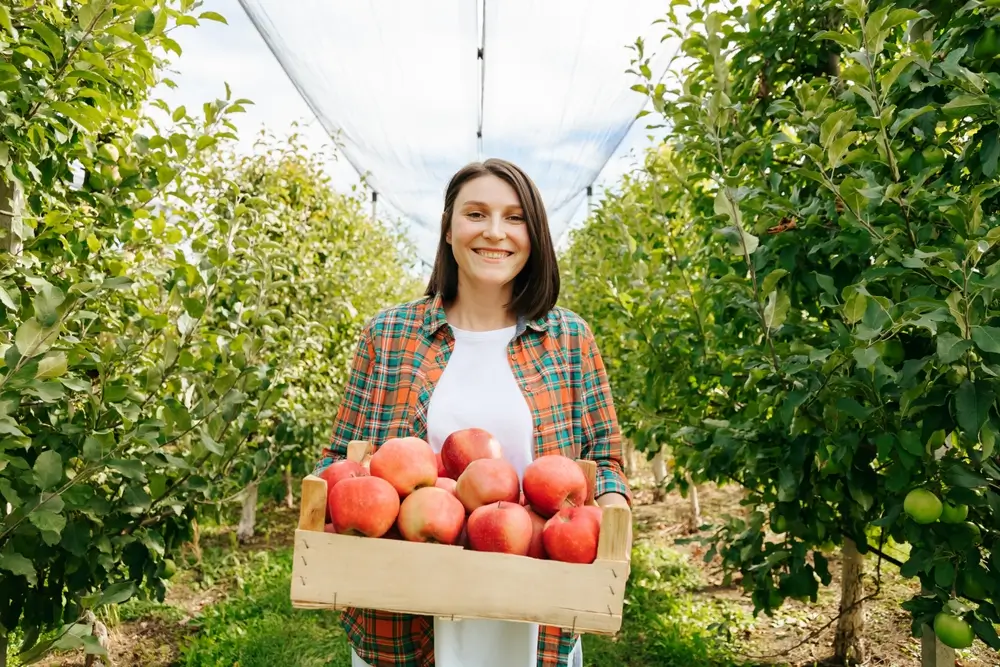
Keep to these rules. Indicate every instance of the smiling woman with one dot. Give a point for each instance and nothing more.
(486, 347)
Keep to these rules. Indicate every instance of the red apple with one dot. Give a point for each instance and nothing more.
(487, 481)
(406, 463)
(363, 506)
(572, 534)
(463, 447)
(446, 483)
(442, 471)
(431, 514)
(537, 548)
(503, 527)
(553, 482)
(338, 471)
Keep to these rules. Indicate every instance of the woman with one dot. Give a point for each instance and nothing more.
(486, 347)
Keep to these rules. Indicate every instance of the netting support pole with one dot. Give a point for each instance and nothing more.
(374, 206)
(590, 198)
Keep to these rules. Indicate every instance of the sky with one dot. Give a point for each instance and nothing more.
(399, 84)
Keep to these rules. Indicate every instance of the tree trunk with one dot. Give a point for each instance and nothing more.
(628, 454)
(289, 495)
(849, 641)
(694, 520)
(196, 541)
(11, 202)
(249, 516)
(660, 475)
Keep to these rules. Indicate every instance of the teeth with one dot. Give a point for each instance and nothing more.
(493, 255)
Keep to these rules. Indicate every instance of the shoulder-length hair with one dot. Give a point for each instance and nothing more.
(536, 287)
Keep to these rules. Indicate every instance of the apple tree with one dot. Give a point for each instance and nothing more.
(839, 160)
(163, 317)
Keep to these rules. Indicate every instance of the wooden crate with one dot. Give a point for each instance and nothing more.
(335, 571)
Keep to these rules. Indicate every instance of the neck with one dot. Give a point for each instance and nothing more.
(478, 309)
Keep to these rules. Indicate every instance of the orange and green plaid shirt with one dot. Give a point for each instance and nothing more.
(401, 355)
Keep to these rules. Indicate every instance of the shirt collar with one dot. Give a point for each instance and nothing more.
(435, 318)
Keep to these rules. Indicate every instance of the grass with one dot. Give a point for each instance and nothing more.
(665, 623)
(257, 627)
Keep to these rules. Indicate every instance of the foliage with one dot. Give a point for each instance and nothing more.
(173, 318)
(825, 332)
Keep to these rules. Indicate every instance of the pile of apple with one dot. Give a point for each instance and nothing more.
(468, 496)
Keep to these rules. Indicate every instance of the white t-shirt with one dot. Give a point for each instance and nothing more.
(478, 389)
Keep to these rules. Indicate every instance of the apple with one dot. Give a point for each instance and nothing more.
(339, 471)
(431, 514)
(536, 549)
(463, 447)
(442, 471)
(571, 534)
(363, 506)
(503, 527)
(553, 482)
(446, 483)
(487, 481)
(406, 463)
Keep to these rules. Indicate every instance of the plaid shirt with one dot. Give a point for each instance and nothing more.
(401, 355)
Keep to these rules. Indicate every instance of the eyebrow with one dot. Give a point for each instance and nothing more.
(479, 203)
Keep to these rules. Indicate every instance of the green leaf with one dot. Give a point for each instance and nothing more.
(48, 469)
(7, 300)
(5, 21)
(18, 565)
(144, 22)
(33, 339)
(865, 356)
(855, 306)
(972, 406)
(963, 105)
(117, 593)
(52, 366)
(129, 468)
(52, 41)
(771, 280)
(45, 520)
(776, 309)
(213, 16)
(950, 347)
(987, 338)
(960, 474)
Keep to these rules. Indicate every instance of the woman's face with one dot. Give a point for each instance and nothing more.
(489, 234)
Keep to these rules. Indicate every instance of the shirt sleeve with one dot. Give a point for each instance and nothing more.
(354, 405)
(601, 433)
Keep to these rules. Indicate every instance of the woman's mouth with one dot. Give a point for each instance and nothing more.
(493, 254)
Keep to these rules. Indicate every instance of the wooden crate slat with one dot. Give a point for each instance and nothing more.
(337, 571)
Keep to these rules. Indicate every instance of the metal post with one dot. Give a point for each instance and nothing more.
(374, 206)
(590, 198)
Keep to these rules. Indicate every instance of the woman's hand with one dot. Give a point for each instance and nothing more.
(612, 500)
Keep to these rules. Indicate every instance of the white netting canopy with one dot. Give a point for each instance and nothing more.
(403, 88)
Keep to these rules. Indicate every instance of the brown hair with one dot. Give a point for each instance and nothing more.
(536, 287)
